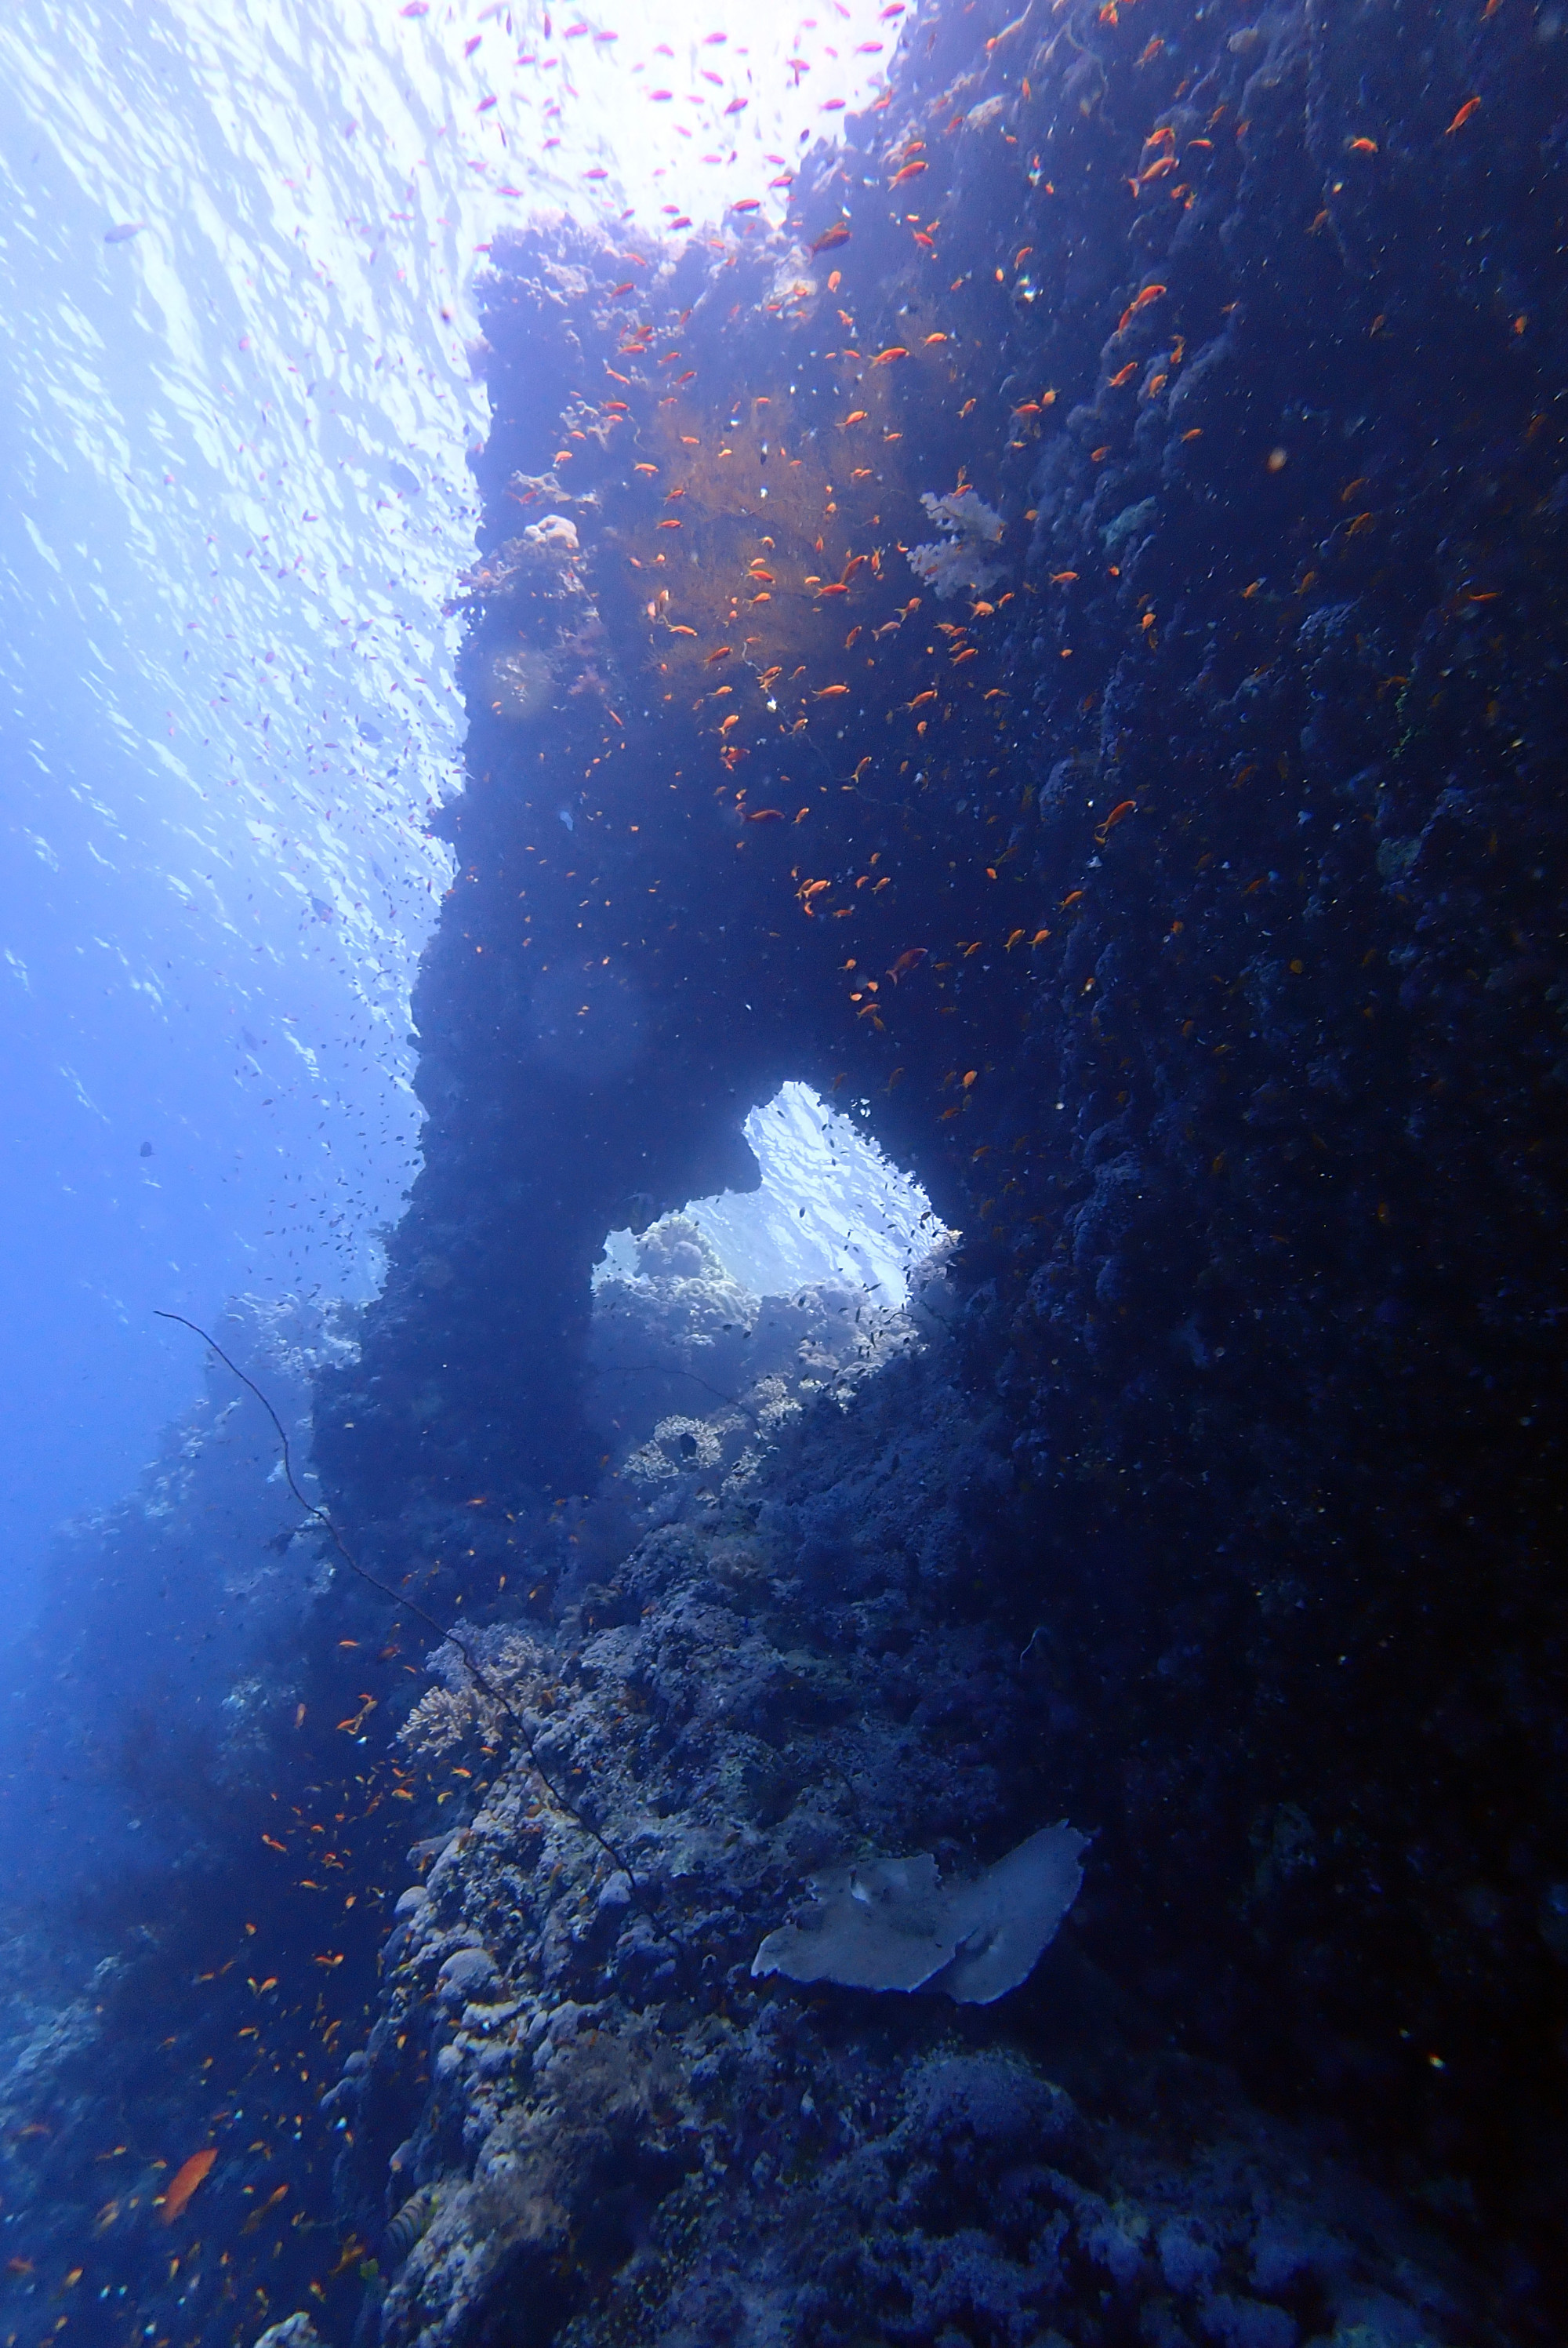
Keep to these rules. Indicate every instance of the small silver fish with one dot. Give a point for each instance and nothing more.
(123, 230)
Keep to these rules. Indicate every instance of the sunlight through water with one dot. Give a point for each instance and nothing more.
(239, 409)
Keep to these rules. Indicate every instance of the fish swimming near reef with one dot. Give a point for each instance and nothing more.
(187, 2177)
(411, 2222)
(123, 230)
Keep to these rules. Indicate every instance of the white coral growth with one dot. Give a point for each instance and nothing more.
(961, 559)
(458, 1706)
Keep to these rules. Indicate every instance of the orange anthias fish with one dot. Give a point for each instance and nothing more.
(1140, 302)
(187, 2177)
(894, 350)
(835, 235)
(1470, 107)
(253, 2222)
(910, 171)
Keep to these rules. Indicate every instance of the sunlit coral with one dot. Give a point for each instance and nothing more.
(748, 545)
(964, 558)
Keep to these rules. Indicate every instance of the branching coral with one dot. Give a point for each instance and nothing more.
(458, 1708)
(961, 559)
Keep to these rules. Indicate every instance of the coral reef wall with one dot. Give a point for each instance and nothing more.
(1187, 904)
(184, 1942)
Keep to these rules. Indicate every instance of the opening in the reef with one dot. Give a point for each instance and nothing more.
(831, 1207)
(715, 1326)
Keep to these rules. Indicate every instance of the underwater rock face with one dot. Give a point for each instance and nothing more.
(611, 2128)
(1186, 906)
(683, 1335)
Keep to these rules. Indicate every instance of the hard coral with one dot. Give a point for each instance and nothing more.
(889, 1924)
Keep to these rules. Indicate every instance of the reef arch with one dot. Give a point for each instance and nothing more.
(1180, 899)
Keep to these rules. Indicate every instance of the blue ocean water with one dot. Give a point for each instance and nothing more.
(990, 1468)
(238, 405)
(235, 499)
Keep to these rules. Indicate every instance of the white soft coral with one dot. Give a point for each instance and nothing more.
(963, 559)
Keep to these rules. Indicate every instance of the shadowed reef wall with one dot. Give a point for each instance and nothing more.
(1186, 902)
